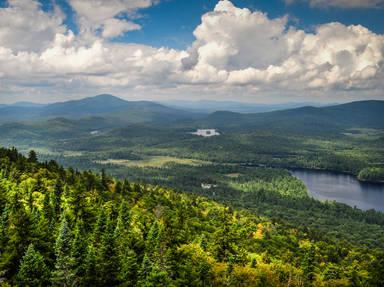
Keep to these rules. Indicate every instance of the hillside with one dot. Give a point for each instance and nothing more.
(113, 233)
(363, 114)
(106, 106)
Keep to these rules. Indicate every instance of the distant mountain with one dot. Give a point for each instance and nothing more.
(205, 106)
(362, 114)
(27, 104)
(105, 105)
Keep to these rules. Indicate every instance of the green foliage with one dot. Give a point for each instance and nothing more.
(63, 273)
(374, 174)
(86, 232)
(33, 270)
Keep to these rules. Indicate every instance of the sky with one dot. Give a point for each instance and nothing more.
(271, 51)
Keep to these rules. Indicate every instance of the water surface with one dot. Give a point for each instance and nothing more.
(343, 188)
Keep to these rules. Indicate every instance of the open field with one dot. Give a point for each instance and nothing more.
(152, 161)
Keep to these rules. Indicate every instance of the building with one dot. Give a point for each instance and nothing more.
(206, 132)
(208, 185)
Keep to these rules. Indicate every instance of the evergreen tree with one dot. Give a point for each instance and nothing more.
(18, 237)
(150, 274)
(104, 180)
(32, 270)
(91, 271)
(122, 221)
(100, 227)
(308, 264)
(78, 252)
(63, 275)
(32, 156)
(109, 257)
(128, 268)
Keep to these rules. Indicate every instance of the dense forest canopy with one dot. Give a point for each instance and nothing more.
(69, 228)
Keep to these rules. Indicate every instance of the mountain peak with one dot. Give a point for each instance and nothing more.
(105, 98)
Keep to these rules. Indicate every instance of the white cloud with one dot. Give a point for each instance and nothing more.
(236, 52)
(24, 26)
(93, 15)
(248, 48)
(348, 4)
(115, 27)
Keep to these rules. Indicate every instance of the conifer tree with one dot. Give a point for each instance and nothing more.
(100, 227)
(91, 272)
(150, 274)
(128, 267)
(32, 156)
(63, 275)
(108, 256)
(308, 263)
(78, 252)
(32, 270)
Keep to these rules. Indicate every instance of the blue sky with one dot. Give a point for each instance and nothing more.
(298, 50)
(171, 22)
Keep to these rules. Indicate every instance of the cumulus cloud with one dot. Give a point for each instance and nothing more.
(240, 47)
(236, 51)
(348, 4)
(24, 26)
(94, 15)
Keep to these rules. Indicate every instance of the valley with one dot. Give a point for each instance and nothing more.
(200, 143)
(244, 165)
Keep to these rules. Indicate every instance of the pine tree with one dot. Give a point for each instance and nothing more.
(308, 263)
(100, 227)
(150, 274)
(78, 252)
(63, 275)
(32, 271)
(108, 256)
(128, 268)
(122, 221)
(91, 274)
(32, 156)
(153, 238)
(18, 238)
(145, 270)
(104, 180)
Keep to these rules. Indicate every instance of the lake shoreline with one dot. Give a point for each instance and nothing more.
(343, 188)
(312, 169)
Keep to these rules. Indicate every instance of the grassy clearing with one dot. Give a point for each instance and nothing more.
(365, 134)
(153, 161)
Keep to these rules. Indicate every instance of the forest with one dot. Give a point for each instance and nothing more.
(63, 227)
(344, 138)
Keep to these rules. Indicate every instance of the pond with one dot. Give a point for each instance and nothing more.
(343, 188)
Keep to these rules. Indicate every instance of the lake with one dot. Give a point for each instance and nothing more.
(343, 188)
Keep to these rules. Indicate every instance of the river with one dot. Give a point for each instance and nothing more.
(343, 188)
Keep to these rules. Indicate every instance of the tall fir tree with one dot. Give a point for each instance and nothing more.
(33, 270)
(63, 275)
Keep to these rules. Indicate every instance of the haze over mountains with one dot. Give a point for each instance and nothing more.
(102, 105)
(362, 114)
(206, 106)
(112, 110)
(106, 112)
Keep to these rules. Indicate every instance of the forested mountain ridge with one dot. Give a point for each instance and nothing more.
(304, 120)
(104, 105)
(64, 227)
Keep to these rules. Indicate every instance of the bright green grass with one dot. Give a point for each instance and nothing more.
(153, 161)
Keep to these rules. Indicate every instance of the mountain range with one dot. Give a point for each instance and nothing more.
(107, 111)
(105, 105)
